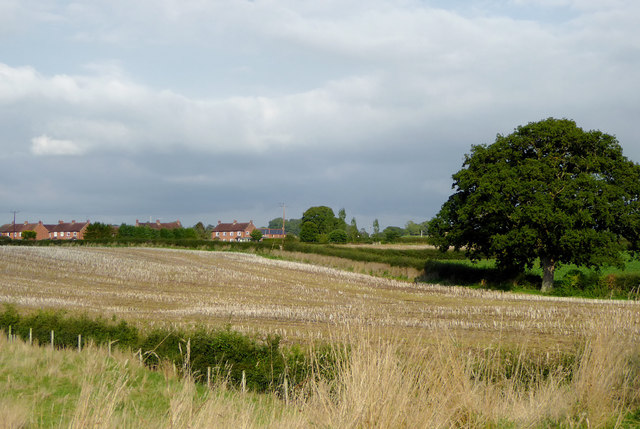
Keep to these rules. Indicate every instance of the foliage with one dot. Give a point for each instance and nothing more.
(201, 231)
(548, 191)
(29, 235)
(323, 218)
(292, 226)
(262, 363)
(99, 231)
(309, 232)
(338, 236)
(392, 233)
(256, 235)
(148, 233)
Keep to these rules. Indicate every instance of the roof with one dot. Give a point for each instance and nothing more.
(72, 226)
(159, 225)
(235, 226)
(19, 227)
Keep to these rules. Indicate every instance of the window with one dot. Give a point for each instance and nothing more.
(55, 235)
(217, 233)
(224, 233)
(75, 234)
(246, 233)
(68, 234)
(239, 233)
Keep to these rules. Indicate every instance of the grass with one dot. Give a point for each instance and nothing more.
(406, 354)
(378, 382)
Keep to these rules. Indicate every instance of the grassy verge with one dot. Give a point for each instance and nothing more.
(374, 382)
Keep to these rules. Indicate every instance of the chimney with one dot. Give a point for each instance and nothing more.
(137, 222)
(60, 222)
(39, 222)
(235, 221)
(219, 222)
(158, 222)
(73, 222)
(26, 223)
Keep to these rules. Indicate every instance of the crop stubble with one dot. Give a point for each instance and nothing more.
(183, 287)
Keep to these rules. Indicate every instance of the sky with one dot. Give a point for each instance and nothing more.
(205, 110)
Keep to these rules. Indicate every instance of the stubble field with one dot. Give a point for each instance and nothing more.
(159, 286)
(418, 355)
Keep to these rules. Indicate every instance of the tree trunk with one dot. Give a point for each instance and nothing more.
(548, 269)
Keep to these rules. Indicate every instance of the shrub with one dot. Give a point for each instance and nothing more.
(338, 236)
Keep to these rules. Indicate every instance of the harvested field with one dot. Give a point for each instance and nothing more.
(160, 286)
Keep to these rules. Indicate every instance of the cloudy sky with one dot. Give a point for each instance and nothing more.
(116, 110)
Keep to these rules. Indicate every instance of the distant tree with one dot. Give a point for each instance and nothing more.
(201, 231)
(275, 223)
(99, 231)
(341, 222)
(549, 191)
(292, 226)
(323, 218)
(256, 235)
(376, 227)
(309, 232)
(392, 233)
(29, 235)
(352, 231)
(338, 236)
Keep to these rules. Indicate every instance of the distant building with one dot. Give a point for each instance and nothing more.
(15, 231)
(236, 231)
(272, 233)
(158, 225)
(67, 230)
(61, 231)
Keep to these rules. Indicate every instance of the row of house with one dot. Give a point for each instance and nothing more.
(60, 231)
(235, 231)
(241, 231)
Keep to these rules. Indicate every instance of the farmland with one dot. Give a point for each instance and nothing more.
(185, 288)
(419, 355)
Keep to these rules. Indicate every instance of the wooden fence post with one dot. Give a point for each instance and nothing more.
(79, 342)
(30, 336)
(52, 340)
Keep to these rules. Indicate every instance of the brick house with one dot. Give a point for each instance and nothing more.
(15, 231)
(67, 230)
(158, 225)
(236, 231)
(272, 233)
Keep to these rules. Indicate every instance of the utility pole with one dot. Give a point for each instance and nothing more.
(283, 217)
(14, 222)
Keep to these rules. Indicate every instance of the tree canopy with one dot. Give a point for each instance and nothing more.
(549, 191)
(324, 220)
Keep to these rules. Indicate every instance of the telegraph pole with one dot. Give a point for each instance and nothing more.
(283, 217)
(14, 222)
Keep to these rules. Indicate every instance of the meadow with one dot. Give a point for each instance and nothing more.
(407, 354)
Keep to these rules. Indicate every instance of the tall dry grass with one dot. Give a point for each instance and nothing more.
(376, 382)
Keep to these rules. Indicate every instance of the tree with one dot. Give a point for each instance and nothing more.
(324, 219)
(98, 231)
(309, 232)
(392, 233)
(549, 192)
(376, 227)
(338, 236)
(201, 231)
(256, 235)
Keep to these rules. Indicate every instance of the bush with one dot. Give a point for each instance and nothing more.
(338, 236)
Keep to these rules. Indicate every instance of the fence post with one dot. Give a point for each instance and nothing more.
(209, 377)
(244, 382)
(52, 339)
(79, 342)
(286, 390)
(30, 336)
(9, 333)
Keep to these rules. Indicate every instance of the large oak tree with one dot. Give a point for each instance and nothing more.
(549, 191)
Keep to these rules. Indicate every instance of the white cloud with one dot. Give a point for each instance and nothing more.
(44, 145)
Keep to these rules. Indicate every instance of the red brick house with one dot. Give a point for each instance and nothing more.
(236, 231)
(67, 230)
(158, 225)
(15, 231)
